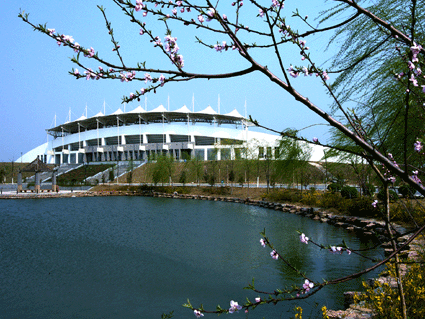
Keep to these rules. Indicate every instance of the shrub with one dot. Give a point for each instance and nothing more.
(285, 195)
(393, 195)
(311, 197)
(407, 191)
(225, 190)
(349, 192)
(333, 200)
(407, 210)
(334, 187)
(368, 189)
(362, 207)
(385, 301)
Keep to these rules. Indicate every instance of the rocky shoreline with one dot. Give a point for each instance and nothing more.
(361, 226)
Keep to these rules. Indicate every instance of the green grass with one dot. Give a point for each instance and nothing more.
(77, 176)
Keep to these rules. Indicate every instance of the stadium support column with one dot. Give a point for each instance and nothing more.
(37, 182)
(54, 186)
(19, 190)
(218, 155)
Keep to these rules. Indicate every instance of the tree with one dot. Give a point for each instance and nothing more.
(293, 156)
(2, 175)
(183, 177)
(130, 169)
(195, 164)
(111, 174)
(376, 76)
(263, 49)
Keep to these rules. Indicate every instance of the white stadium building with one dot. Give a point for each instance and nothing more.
(138, 134)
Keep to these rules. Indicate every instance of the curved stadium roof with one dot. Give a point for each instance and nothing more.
(141, 116)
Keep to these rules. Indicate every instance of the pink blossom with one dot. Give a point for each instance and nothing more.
(418, 145)
(51, 31)
(162, 79)
(76, 72)
(210, 14)
(139, 5)
(325, 76)
(76, 47)
(174, 11)
(263, 242)
(308, 285)
(141, 32)
(304, 238)
(197, 313)
(292, 72)
(147, 77)
(234, 306)
(415, 177)
(90, 52)
(415, 50)
(142, 91)
(89, 74)
(274, 255)
(261, 12)
(413, 80)
(335, 250)
(224, 17)
(315, 140)
(68, 38)
(201, 18)
(258, 299)
(132, 95)
(410, 65)
(276, 4)
(158, 42)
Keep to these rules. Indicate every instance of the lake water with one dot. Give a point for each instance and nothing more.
(137, 257)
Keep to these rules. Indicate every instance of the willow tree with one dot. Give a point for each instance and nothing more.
(379, 77)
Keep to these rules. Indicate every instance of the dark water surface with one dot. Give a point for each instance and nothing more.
(136, 257)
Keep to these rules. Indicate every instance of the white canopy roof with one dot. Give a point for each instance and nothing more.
(183, 109)
(98, 114)
(138, 109)
(119, 111)
(208, 110)
(234, 113)
(81, 118)
(160, 108)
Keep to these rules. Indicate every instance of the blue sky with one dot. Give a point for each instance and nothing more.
(36, 86)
